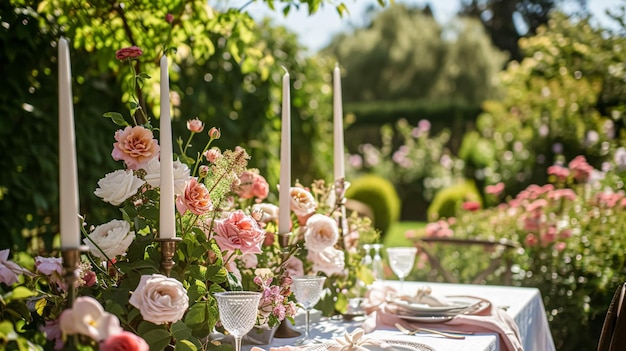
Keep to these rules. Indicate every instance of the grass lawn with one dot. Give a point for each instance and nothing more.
(395, 235)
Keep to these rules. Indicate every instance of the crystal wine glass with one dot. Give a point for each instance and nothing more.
(377, 263)
(401, 260)
(308, 291)
(238, 312)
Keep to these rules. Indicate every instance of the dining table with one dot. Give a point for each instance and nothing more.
(523, 305)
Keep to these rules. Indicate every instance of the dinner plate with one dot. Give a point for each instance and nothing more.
(460, 304)
(398, 345)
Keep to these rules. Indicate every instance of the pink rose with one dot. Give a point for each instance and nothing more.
(195, 125)
(195, 199)
(136, 146)
(239, 231)
(124, 341)
(130, 52)
(329, 261)
(294, 267)
(49, 265)
(252, 185)
(321, 232)
(302, 202)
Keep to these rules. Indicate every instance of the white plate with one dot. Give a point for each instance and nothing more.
(398, 345)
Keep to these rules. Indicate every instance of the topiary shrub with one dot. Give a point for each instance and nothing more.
(448, 200)
(380, 195)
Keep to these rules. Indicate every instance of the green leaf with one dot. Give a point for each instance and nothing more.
(185, 345)
(21, 292)
(158, 339)
(180, 331)
(117, 118)
(144, 75)
(196, 314)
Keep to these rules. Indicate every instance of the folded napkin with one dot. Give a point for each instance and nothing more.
(493, 320)
(424, 296)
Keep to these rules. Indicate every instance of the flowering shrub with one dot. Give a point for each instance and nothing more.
(572, 238)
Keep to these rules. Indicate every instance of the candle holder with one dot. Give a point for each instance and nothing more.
(71, 260)
(168, 249)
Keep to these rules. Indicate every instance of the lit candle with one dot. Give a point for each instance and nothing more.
(68, 187)
(167, 224)
(284, 193)
(338, 162)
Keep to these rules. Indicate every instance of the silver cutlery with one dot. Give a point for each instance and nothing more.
(426, 330)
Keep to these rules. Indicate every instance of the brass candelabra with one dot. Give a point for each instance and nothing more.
(71, 260)
(340, 205)
(168, 250)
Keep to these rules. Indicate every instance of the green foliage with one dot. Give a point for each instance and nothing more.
(449, 200)
(380, 195)
(572, 238)
(405, 54)
(562, 100)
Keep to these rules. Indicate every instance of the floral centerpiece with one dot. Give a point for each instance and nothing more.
(123, 299)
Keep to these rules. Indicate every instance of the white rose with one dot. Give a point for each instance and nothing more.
(302, 202)
(181, 175)
(321, 232)
(160, 299)
(330, 261)
(118, 186)
(113, 238)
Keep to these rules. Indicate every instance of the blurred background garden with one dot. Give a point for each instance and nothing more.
(506, 121)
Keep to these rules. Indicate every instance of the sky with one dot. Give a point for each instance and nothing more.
(317, 30)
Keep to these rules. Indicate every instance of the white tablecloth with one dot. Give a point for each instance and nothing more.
(523, 304)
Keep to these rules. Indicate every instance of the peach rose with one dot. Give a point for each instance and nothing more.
(302, 202)
(195, 199)
(251, 185)
(135, 146)
(239, 231)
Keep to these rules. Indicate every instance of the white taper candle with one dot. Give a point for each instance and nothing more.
(284, 194)
(338, 162)
(68, 175)
(167, 224)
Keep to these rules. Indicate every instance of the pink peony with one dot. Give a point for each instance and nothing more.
(136, 146)
(130, 52)
(195, 199)
(239, 232)
(124, 341)
(195, 125)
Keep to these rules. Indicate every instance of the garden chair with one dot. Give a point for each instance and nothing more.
(613, 335)
(500, 247)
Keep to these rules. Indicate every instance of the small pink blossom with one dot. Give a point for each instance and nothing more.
(471, 206)
(560, 246)
(126, 53)
(531, 240)
(53, 332)
(9, 270)
(580, 168)
(214, 133)
(558, 171)
(495, 189)
(169, 18)
(195, 199)
(558, 194)
(195, 125)
(136, 146)
(239, 232)
(124, 341)
(439, 229)
(212, 154)
(49, 265)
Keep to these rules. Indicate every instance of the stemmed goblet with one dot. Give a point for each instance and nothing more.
(238, 312)
(308, 291)
(401, 260)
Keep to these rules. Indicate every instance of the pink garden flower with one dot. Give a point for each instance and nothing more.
(558, 171)
(49, 265)
(130, 52)
(136, 146)
(495, 189)
(580, 168)
(239, 232)
(9, 271)
(471, 206)
(252, 185)
(124, 341)
(439, 229)
(195, 199)
(212, 154)
(195, 125)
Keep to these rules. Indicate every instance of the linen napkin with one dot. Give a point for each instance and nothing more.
(355, 341)
(493, 320)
